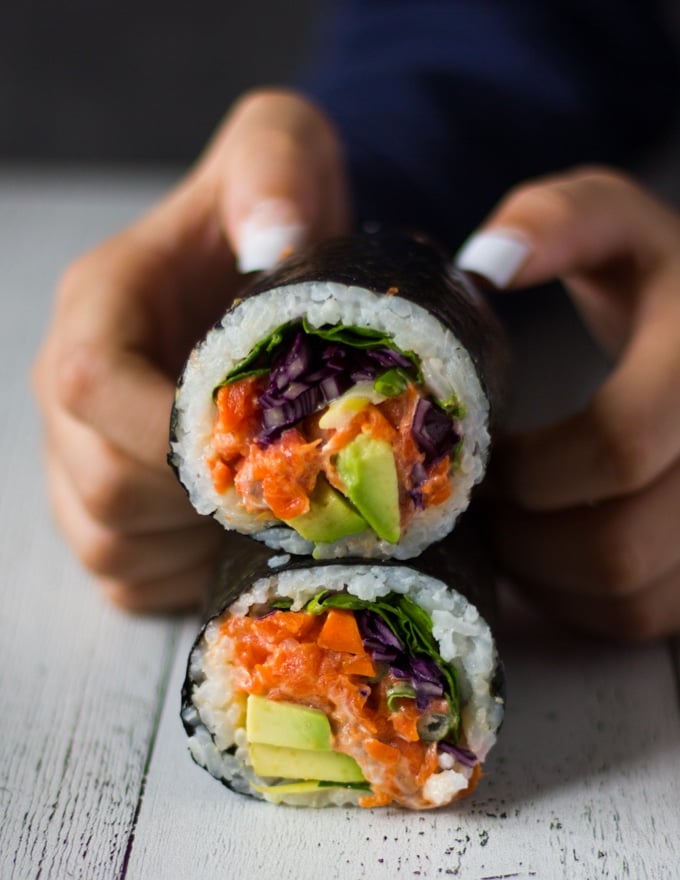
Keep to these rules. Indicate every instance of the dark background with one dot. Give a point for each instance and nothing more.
(147, 81)
(135, 82)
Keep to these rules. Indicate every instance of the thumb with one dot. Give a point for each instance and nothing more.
(281, 179)
(575, 223)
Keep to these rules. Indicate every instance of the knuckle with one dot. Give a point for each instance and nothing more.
(109, 499)
(621, 567)
(77, 375)
(554, 204)
(593, 174)
(621, 564)
(624, 452)
(125, 595)
(103, 553)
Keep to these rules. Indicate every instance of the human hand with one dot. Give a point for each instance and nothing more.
(588, 512)
(128, 313)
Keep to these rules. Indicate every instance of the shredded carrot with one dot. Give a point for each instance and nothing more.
(405, 720)
(437, 487)
(340, 632)
(387, 755)
(359, 665)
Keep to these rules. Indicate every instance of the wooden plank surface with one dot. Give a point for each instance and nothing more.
(582, 784)
(80, 683)
(95, 778)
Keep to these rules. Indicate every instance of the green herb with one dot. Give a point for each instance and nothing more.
(281, 604)
(257, 362)
(350, 334)
(453, 406)
(392, 383)
(434, 726)
(400, 691)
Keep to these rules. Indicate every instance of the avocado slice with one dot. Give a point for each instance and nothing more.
(304, 764)
(282, 789)
(367, 468)
(287, 725)
(329, 518)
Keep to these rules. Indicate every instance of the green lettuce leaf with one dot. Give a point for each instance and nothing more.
(258, 360)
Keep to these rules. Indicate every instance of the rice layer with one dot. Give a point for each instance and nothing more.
(216, 711)
(447, 370)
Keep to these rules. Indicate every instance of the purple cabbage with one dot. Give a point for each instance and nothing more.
(433, 430)
(313, 372)
(384, 646)
(418, 477)
(465, 756)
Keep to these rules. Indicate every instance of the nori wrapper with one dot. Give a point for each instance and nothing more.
(416, 268)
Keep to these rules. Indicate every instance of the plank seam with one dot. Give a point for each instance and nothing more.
(162, 694)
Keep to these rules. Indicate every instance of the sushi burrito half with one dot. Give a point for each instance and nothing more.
(342, 406)
(346, 682)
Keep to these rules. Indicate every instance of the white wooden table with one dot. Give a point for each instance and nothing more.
(95, 779)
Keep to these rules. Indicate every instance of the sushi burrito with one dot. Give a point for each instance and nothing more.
(338, 417)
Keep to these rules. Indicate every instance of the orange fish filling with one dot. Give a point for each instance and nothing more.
(280, 477)
(285, 656)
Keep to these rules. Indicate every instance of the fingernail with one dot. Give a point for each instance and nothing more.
(271, 231)
(496, 254)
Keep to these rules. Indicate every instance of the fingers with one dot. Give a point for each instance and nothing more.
(620, 252)
(116, 491)
(573, 223)
(617, 547)
(282, 178)
(591, 503)
(130, 559)
(123, 325)
(652, 613)
(126, 318)
(178, 591)
(612, 569)
(626, 437)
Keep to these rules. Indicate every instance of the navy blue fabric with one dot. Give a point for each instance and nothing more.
(444, 104)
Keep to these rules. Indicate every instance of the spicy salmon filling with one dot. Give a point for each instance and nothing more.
(331, 436)
(392, 708)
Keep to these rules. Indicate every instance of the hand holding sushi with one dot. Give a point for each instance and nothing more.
(126, 316)
(591, 526)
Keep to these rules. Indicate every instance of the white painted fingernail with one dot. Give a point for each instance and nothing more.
(272, 230)
(496, 254)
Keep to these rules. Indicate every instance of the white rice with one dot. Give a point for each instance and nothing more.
(447, 370)
(464, 640)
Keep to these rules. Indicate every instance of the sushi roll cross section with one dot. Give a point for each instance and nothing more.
(341, 407)
(345, 684)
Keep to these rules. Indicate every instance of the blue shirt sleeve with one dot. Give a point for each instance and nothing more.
(443, 105)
